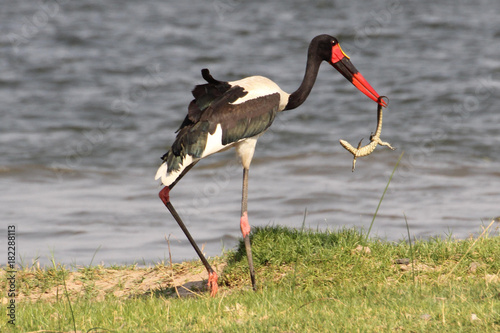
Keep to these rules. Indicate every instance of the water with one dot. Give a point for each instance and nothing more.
(93, 91)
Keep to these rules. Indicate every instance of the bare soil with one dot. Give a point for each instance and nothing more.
(178, 280)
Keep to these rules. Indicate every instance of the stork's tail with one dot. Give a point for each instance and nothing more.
(169, 175)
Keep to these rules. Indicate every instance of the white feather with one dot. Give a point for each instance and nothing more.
(258, 86)
(245, 150)
(162, 170)
(168, 178)
(214, 142)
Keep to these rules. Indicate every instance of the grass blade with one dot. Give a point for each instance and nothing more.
(411, 249)
(383, 194)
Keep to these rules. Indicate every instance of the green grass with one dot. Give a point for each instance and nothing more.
(307, 282)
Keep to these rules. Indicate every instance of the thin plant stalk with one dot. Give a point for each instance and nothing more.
(383, 194)
(470, 248)
(69, 301)
(95, 252)
(411, 249)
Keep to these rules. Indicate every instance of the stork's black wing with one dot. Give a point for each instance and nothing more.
(213, 106)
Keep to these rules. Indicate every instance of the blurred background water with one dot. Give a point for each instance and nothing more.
(92, 91)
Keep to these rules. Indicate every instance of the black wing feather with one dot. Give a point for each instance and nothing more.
(204, 95)
(241, 121)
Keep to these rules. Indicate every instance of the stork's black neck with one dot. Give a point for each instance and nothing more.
(300, 95)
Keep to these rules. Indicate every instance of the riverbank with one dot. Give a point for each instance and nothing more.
(307, 282)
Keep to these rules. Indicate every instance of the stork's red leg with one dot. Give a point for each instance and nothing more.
(165, 197)
(245, 226)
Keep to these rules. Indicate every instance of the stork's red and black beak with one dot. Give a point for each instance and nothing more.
(341, 62)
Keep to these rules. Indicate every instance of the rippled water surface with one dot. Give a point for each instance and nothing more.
(92, 92)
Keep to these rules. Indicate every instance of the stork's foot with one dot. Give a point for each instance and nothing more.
(212, 283)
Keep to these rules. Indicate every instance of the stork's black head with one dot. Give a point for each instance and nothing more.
(327, 48)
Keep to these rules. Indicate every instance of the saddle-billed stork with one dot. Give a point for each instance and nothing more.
(234, 114)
